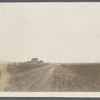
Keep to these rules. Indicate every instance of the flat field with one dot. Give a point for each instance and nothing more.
(50, 77)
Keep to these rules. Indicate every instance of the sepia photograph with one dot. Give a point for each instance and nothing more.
(49, 47)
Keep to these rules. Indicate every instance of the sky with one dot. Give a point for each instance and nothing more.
(53, 32)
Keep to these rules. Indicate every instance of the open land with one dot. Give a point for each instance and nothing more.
(50, 77)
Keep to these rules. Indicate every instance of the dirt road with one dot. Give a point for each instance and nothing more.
(52, 78)
(39, 79)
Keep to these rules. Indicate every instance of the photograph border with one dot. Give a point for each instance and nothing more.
(44, 95)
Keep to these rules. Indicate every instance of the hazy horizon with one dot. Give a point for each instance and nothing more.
(52, 32)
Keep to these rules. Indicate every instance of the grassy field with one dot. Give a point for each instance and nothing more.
(14, 68)
(77, 77)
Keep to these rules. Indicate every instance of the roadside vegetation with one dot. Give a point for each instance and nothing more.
(18, 67)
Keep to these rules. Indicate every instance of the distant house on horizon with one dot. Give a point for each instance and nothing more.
(34, 60)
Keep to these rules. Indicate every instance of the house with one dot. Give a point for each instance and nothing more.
(34, 60)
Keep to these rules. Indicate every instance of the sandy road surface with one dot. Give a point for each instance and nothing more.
(4, 76)
(38, 79)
